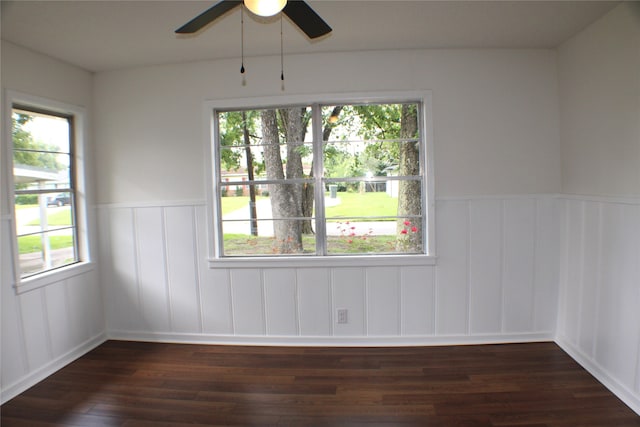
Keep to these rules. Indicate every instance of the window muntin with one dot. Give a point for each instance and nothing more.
(349, 170)
(44, 190)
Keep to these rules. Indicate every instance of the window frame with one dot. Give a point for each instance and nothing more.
(212, 159)
(77, 121)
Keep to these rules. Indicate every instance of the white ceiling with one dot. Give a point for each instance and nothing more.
(112, 34)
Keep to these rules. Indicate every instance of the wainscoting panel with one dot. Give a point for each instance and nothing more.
(349, 293)
(182, 269)
(452, 272)
(495, 280)
(152, 271)
(485, 266)
(547, 263)
(45, 328)
(383, 301)
(247, 297)
(599, 321)
(418, 301)
(280, 302)
(314, 302)
(519, 260)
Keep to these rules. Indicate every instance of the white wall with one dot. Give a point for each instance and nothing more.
(495, 281)
(495, 116)
(599, 71)
(599, 322)
(44, 329)
(497, 161)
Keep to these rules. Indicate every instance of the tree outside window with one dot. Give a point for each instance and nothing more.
(309, 180)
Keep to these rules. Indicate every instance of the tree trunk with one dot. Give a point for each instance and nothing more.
(287, 232)
(253, 214)
(409, 197)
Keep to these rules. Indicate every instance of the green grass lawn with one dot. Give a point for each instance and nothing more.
(20, 207)
(362, 205)
(351, 205)
(30, 244)
(244, 245)
(58, 217)
(230, 204)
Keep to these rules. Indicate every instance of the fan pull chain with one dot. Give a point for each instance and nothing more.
(242, 39)
(281, 53)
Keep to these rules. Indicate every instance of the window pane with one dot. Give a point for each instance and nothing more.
(44, 251)
(350, 236)
(361, 199)
(44, 207)
(372, 177)
(41, 151)
(32, 216)
(238, 240)
(244, 221)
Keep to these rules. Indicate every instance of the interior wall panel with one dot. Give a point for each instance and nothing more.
(156, 264)
(618, 317)
(383, 301)
(182, 265)
(215, 287)
(121, 287)
(590, 276)
(62, 331)
(280, 302)
(547, 262)
(519, 258)
(418, 301)
(14, 358)
(485, 266)
(247, 302)
(37, 337)
(598, 322)
(315, 312)
(152, 270)
(349, 293)
(452, 274)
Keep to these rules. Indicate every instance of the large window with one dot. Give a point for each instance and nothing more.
(45, 192)
(322, 179)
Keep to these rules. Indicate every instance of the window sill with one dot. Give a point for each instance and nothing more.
(53, 276)
(326, 261)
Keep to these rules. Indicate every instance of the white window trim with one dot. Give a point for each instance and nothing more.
(213, 214)
(85, 264)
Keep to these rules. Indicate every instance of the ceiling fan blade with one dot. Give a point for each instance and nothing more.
(208, 16)
(306, 18)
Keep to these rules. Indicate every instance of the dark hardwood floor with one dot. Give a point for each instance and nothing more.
(145, 384)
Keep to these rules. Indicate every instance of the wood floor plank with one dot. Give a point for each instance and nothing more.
(130, 384)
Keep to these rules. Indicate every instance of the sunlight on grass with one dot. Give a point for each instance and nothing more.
(58, 217)
(230, 204)
(362, 205)
(30, 244)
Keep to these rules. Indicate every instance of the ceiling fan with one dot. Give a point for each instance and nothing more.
(298, 11)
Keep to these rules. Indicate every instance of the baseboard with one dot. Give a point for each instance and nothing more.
(331, 341)
(43, 372)
(631, 399)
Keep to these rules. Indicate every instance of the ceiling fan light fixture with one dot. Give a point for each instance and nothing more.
(265, 7)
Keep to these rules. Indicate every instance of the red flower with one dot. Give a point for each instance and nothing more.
(407, 223)
(414, 229)
(404, 231)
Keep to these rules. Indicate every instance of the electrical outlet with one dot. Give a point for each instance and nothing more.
(342, 315)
